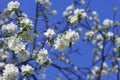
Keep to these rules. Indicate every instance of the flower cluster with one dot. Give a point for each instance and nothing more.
(107, 22)
(10, 72)
(27, 69)
(13, 5)
(78, 15)
(15, 44)
(10, 28)
(42, 56)
(66, 40)
(25, 21)
(109, 35)
(99, 41)
(68, 11)
(49, 33)
(89, 35)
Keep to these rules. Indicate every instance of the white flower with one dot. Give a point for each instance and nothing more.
(11, 27)
(94, 13)
(117, 58)
(95, 70)
(77, 16)
(115, 69)
(3, 54)
(67, 13)
(26, 22)
(104, 72)
(75, 68)
(28, 69)
(42, 56)
(109, 35)
(96, 58)
(10, 72)
(99, 37)
(13, 5)
(90, 18)
(82, 2)
(89, 34)
(49, 33)
(105, 65)
(117, 40)
(15, 44)
(2, 64)
(107, 22)
(69, 8)
(64, 40)
(73, 19)
(71, 36)
(80, 12)
(61, 44)
(54, 12)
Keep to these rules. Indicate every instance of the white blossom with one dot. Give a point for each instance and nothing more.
(69, 8)
(99, 37)
(73, 19)
(64, 40)
(15, 44)
(13, 5)
(107, 22)
(117, 41)
(96, 58)
(89, 34)
(11, 27)
(104, 72)
(42, 56)
(75, 68)
(115, 69)
(54, 12)
(109, 35)
(2, 64)
(105, 65)
(95, 15)
(67, 13)
(77, 16)
(82, 2)
(80, 12)
(28, 69)
(10, 72)
(61, 44)
(49, 33)
(95, 70)
(26, 22)
(71, 36)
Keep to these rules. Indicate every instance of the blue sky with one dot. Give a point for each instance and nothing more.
(104, 9)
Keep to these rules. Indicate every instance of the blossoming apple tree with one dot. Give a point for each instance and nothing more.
(26, 51)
